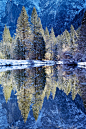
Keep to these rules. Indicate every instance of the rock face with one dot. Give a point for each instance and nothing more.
(59, 14)
(11, 13)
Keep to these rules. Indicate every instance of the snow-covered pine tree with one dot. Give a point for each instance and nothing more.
(47, 45)
(66, 39)
(34, 18)
(38, 40)
(23, 31)
(73, 39)
(41, 42)
(52, 44)
(19, 54)
(59, 46)
(2, 55)
(46, 34)
(6, 43)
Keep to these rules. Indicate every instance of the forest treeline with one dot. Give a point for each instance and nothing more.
(32, 42)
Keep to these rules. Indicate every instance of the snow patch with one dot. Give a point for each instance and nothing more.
(6, 62)
(22, 64)
(82, 64)
(59, 62)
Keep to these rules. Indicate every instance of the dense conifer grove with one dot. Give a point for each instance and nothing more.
(32, 42)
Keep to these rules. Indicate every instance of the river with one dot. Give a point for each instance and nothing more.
(46, 97)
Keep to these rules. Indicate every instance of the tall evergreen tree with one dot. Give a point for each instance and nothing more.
(52, 44)
(47, 45)
(2, 55)
(65, 41)
(73, 39)
(6, 35)
(67, 34)
(38, 40)
(23, 30)
(66, 38)
(34, 18)
(41, 42)
(59, 46)
(6, 43)
(18, 50)
(13, 53)
(46, 34)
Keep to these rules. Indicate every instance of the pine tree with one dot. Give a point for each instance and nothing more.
(73, 39)
(47, 45)
(6, 43)
(60, 46)
(67, 34)
(46, 34)
(38, 40)
(41, 42)
(6, 35)
(66, 39)
(23, 31)
(2, 55)
(18, 50)
(13, 53)
(34, 18)
(52, 44)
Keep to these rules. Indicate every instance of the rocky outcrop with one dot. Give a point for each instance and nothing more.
(60, 15)
(12, 12)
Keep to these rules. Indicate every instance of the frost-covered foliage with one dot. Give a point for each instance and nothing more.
(6, 44)
(67, 45)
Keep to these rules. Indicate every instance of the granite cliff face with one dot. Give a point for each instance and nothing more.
(59, 14)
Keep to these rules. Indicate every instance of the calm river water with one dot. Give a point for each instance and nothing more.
(47, 97)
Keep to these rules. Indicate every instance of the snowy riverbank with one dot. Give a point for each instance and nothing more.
(7, 62)
(6, 65)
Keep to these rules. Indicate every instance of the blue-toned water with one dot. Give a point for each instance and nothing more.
(48, 97)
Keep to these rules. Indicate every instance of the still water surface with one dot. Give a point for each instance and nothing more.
(47, 97)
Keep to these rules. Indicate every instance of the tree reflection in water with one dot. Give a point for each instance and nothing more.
(33, 84)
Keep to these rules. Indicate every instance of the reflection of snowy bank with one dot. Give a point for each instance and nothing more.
(7, 62)
(82, 64)
(22, 64)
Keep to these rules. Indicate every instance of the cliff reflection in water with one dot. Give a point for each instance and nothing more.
(33, 84)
